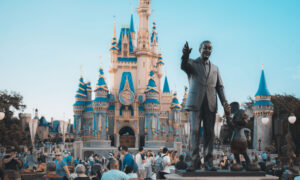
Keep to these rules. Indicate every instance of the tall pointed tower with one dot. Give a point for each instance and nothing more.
(175, 118)
(101, 106)
(143, 52)
(152, 107)
(263, 108)
(79, 105)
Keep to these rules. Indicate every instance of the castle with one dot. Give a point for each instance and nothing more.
(136, 110)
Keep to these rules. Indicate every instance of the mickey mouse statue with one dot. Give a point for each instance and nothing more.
(239, 140)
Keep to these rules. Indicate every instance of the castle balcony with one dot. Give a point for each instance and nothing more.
(126, 118)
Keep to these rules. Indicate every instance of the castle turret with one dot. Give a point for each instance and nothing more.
(89, 90)
(143, 47)
(166, 96)
(154, 39)
(174, 121)
(263, 111)
(132, 31)
(114, 47)
(101, 106)
(184, 97)
(144, 12)
(152, 107)
(160, 64)
(79, 105)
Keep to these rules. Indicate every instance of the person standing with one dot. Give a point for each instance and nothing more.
(128, 159)
(12, 164)
(62, 167)
(80, 171)
(150, 159)
(51, 172)
(181, 164)
(167, 162)
(205, 83)
(140, 161)
(114, 173)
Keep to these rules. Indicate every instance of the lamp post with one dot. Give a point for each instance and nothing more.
(265, 120)
(2, 115)
(292, 119)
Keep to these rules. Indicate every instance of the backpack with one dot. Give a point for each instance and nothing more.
(159, 164)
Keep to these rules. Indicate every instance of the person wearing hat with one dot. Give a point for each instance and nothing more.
(62, 167)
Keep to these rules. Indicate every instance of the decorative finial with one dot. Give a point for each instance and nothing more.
(115, 33)
(131, 7)
(152, 12)
(101, 64)
(81, 70)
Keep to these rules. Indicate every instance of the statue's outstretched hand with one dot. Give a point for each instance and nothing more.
(186, 50)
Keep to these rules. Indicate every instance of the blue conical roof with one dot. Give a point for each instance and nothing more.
(262, 89)
(88, 86)
(125, 31)
(81, 92)
(131, 24)
(166, 88)
(160, 60)
(151, 87)
(175, 103)
(101, 85)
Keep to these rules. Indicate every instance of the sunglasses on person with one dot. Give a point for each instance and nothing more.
(58, 155)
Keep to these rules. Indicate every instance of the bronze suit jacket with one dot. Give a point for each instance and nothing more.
(201, 85)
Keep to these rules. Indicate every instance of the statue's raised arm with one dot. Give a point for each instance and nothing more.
(185, 65)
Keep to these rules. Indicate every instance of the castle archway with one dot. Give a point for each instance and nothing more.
(127, 137)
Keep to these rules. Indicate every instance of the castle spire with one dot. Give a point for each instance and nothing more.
(81, 92)
(262, 89)
(114, 43)
(166, 88)
(175, 103)
(154, 37)
(151, 87)
(101, 85)
(131, 24)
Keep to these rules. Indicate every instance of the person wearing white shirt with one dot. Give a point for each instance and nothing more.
(150, 159)
(140, 161)
(167, 162)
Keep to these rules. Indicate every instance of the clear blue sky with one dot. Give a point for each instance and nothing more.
(43, 44)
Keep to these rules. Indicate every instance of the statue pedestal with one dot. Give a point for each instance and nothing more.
(221, 174)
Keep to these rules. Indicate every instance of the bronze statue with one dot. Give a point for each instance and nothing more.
(239, 141)
(205, 83)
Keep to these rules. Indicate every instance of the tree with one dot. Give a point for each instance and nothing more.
(11, 133)
(284, 105)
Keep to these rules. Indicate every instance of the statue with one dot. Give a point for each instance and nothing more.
(239, 141)
(205, 83)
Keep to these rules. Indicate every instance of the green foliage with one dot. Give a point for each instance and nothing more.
(284, 105)
(11, 133)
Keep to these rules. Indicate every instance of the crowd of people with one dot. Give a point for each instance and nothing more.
(120, 164)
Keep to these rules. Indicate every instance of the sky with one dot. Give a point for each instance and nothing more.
(43, 44)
